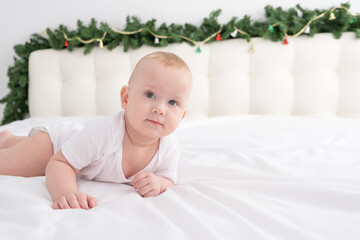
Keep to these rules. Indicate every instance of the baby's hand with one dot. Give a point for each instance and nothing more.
(147, 184)
(75, 200)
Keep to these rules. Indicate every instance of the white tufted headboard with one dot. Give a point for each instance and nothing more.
(317, 76)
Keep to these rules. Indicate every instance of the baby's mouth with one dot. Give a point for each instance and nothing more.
(156, 123)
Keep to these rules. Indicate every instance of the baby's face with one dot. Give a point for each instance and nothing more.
(156, 99)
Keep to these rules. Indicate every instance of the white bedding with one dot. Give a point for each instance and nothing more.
(246, 177)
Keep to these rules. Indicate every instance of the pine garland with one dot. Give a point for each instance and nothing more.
(279, 24)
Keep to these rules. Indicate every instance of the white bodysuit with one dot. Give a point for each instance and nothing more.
(96, 150)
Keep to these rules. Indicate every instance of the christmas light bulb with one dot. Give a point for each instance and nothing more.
(332, 16)
(252, 48)
(233, 34)
(300, 13)
(286, 42)
(307, 30)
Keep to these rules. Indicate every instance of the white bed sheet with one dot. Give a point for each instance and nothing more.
(246, 177)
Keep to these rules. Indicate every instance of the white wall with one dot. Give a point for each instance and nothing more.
(20, 18)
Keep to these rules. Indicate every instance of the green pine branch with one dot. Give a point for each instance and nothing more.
(288, 21)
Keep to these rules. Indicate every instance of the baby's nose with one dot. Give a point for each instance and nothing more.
(159, 109)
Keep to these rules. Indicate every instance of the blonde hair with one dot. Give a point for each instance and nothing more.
(166, 58)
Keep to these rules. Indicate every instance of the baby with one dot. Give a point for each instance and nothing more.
(134, 146)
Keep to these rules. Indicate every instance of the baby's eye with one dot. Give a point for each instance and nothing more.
(150, 94)
(172, 102)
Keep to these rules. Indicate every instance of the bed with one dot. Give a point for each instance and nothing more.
(270, 145)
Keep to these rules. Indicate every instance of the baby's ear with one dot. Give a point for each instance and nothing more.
(124, 93)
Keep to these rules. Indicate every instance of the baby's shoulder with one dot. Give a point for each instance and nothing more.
(102, 129)
(108, 123)
(116, 121)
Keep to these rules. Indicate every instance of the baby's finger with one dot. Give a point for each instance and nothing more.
(72, 201)
(144, 190)
(63, 204)
(138, 177)
(135, 179)
(82, 201)
(55, 205)
(91, 201)
(150, 194)
(141, 183)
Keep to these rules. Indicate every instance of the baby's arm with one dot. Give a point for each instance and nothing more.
(61, 182)
(149, 184)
